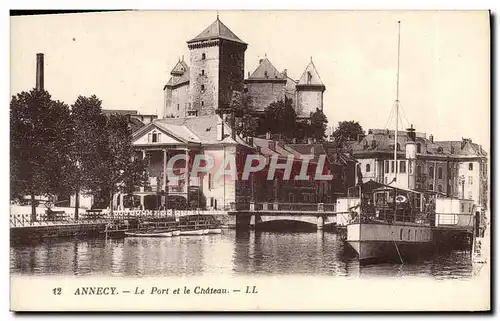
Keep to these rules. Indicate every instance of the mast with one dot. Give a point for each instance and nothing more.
(397, 121)
(397, 108)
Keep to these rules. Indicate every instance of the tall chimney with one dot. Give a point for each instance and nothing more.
(39, 71)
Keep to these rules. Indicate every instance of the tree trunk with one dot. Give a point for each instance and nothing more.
(33, 207)
(77, 203)
(111, 203)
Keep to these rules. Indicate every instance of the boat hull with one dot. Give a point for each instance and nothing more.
(214, 231)
(152, 234)
(388, 251)
(192, 232)
(379, 242)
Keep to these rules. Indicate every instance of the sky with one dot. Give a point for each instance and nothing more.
(125, 58)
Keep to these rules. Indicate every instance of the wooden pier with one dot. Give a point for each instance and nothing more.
(22, 227)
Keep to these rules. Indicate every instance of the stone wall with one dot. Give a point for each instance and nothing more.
(177, 101)
(308, 100)
(204, 79)
(231, 71)
(265, 93)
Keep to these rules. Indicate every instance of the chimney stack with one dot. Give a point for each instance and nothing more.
(39, 71)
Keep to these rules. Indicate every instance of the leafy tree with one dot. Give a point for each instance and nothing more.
(89, 142)
(347, 130)
(279, 118)
(41, 133)
(242, 120)
(317, 126)
(124, 172)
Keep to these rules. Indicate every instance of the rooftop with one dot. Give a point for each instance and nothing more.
(217, 30)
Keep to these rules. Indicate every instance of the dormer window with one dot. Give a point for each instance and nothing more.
(203, 56)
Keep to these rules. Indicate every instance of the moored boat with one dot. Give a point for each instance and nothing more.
(214, 231)
(191, 232)
(149, 234)
(176, 233)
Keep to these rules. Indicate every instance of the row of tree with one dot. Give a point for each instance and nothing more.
(280, 118)
(56, 149)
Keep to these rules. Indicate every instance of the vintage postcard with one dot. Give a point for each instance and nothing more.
(250, 161)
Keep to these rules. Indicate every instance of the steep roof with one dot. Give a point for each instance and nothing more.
(266, 70)
(178, 80)
(217, 30)
(310, 76)
(180, 68)
(203, 128)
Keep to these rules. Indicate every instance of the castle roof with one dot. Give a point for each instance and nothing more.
(217, 30)
(310, 76)
(266, 70)
(180, 68)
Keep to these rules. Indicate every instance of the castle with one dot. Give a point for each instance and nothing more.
(216, 70)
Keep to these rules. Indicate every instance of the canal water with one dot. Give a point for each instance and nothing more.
(233, 253)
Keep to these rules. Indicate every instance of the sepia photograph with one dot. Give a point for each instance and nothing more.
(249, 160)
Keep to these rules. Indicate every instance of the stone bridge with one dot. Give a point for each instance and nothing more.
(317, 214)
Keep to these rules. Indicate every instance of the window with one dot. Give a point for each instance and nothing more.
(177, 106)
(401, 234)
(202, 87)
(419, 186)
(419, 148)
(469, 195)
(368, 168)
(203, 72)
(440, 172)
(386, 180)
(155, 137)
(265, 73)
(158, 137)
(309, 77)
(471, 166)
(202, 103)
(440, 188)
(392, 166)
(462, 207)
(149, 138)
(431, 187)
(387, 166)
(402, 166)
(410, 167)
(449, 189)
(203, 56)
(470, 181)
(431, 172)
(419, 170)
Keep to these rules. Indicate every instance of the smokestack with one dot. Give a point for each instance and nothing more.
(39, 71)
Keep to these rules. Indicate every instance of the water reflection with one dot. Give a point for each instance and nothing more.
(232, 253)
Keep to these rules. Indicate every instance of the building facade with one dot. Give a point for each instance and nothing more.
(452, 168)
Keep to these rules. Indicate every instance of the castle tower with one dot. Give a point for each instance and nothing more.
(310, 91)
(176, 92)
(266, 85)
(216, 68)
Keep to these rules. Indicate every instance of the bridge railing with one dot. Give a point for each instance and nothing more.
(63, 218)
(293, 207)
